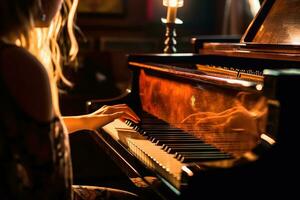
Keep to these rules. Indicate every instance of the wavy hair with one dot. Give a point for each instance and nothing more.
(42, 42)
(47, 48)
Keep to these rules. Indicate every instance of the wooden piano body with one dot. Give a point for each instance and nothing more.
(219, 123)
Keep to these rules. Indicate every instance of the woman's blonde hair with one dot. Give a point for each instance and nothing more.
(17, 26)
(47, 48)
(42, 42)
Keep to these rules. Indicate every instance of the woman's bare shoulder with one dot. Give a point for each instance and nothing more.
(28, 82)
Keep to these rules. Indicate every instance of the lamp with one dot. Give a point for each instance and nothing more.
(171, 21)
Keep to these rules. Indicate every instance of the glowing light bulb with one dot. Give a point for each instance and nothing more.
(172, 9)
(173, 3)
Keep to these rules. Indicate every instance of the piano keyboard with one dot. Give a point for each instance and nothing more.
(162, 147)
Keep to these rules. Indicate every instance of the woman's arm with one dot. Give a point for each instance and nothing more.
(99, 118)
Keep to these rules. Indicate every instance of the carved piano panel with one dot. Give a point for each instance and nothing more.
(213, 114)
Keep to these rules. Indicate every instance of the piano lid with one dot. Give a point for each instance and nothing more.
(273, 34)
(276, 26)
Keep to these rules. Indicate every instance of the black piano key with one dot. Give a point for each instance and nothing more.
(187, 145)
(201, 144)
(170, 141)
(166, 132)
(170, 134)
(158, 127)
(162, 141)
(203, 158)
(174, 150)
(151, 122)
(155, 139)
(213, 154)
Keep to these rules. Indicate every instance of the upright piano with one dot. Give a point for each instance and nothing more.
(221, 122)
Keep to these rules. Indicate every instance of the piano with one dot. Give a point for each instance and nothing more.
(220, 122)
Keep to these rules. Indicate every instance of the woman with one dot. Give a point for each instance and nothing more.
(34, 148)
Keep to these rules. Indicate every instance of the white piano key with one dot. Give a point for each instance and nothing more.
(153, 156)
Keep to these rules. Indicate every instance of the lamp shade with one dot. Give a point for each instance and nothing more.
(173, 3)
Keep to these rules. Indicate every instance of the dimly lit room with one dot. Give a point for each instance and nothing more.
(149, 99)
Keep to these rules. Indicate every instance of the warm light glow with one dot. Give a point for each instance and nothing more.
(295, 39)
(173, 3)
(172, 9)
(171, 14)
(254, 6)
(259, 87)
(74, 46)
(250, 156)
(187, 171)
(239, 82)
(267, 139)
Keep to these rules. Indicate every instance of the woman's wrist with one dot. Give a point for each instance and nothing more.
(76, 123)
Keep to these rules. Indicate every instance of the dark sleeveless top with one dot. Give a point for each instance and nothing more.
(34, 156)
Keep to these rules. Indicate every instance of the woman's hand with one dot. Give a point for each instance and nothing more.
(100, 117)
(110, 113)
(120, 110)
